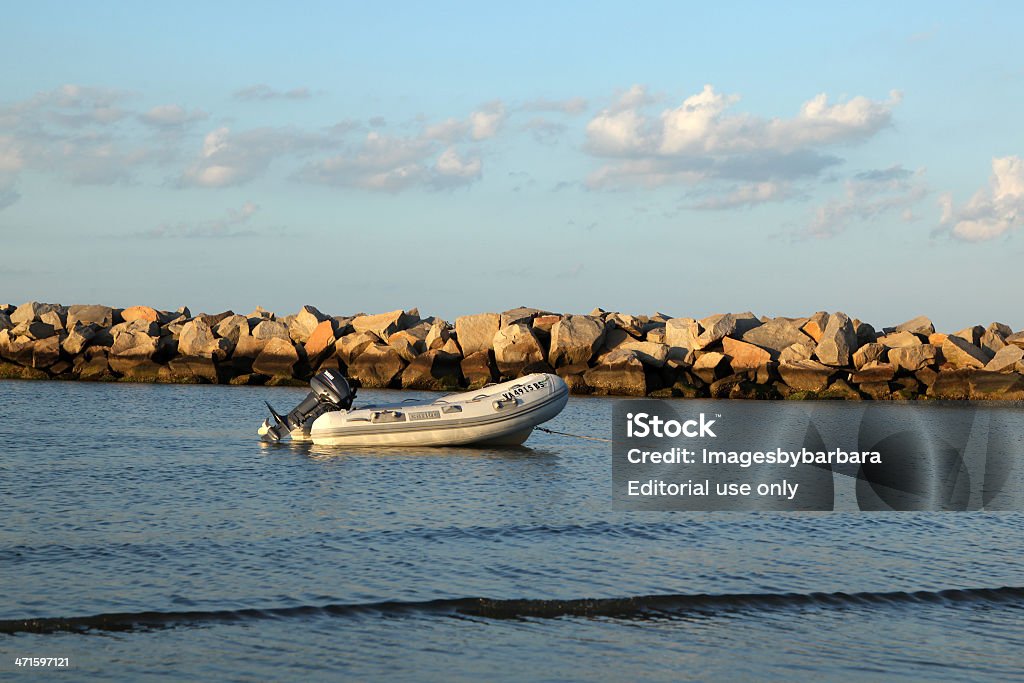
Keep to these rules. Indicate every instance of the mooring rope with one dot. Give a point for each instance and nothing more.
(577, 436)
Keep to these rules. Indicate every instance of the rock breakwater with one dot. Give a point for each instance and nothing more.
(730, 355)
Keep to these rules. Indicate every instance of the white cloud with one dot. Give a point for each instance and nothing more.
(230, 225)
(485, 122)
(262, 91)
(747, 195)
(703, 139)
(991, 212)
(171, 116)
(229, 158)
(868, 196)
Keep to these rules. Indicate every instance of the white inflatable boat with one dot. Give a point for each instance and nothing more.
(496, 415)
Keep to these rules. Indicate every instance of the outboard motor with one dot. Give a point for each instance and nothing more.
(330, 392)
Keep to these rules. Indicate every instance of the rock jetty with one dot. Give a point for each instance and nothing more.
(729, 355)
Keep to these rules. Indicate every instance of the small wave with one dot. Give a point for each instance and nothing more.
(645, 606)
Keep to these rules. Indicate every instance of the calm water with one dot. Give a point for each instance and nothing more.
(154, 516)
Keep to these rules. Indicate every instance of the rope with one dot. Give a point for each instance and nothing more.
(576, 436)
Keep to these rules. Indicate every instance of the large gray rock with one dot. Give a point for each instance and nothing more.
(33, 310)
(519, 316)
(838, 341)
(54, 320)
(232, 327)
(1017, 339)
(913, 358)
(378, 366)
(79, 337)
(920, 325)
(407, 345)
(1006, 359)
(33, 329)
(798, 351)
(620, 373)
(650, 353)
(714, 327)
(960, 353)
(384, 324)
(438, 335)
(197, 339)
(868, 353)
(681, 337)
(304, 322)
(476, 332)
(806, 375)
(991, 341)
(45, 352)
(350, 346)
(133, 350)
(479, 369)
(574, 340)
(515, 348)
(775, 335)
(271, 329)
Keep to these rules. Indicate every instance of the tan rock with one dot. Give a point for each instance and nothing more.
(744, 356)
(433, 371)
(898, 340)
(101, 316)
(649, 353)
(271, 329)
(197, 339)
(277, 359)
(710, 366)
(478, 369)
(815, 326)
(776, 334)
(960, 353)
(79, 338)
(437, 335)
(320, 343)
(33, 310)
(45, 352)
(383, 325)
(407, 345)
(873, 371)
(139, 313)
(621, 374)
(476, 332)
(837, 341)
(519, 316)
(913, 358)
(657, 335)
(515, 348)
(305, 321)
(351, 345)
(937, 339)
(972, 335)
(798, 351)
(232, 328)
(921, 325)
(1006, 359)
(806, 375)
(868, 353)
(574, 340)
(378, 366)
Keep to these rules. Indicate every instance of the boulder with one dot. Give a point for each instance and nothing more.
(133, 350)
(631, 325)
(433, 371)
(516, 347)
(775, 335)
(971, 335)
(651, 354)
(53, 319)
(897, 340)
(407, 345)
(913, 358)
(841, 390)
(838, 340)
(262, 314)
(815, 325)
(478, 369)
(101, 316)
(277, 359)
(16, 349)
(873, 371)
(33, 310)
(519, 316)
(960, 353)
(865, 332)
(197, 340)
(1006, 359)
(920, 325)
(438, 334)
(79, 337)
(271, 329)
(1017, 339)
(476, 332)
(232, 328)
(1000, 329)
(681, 337)
(574, 339)
(621, 373)
(543, 324)
(45, 352)
(384, 324)
(798, 351)
(305, 321)
(715, 327)
(991, 341)
(351, 345)
(33, 329)
(806, 375)
(5, 322)
(247, 350)
(656, 335)
(744, 356)
(320, 343)
(378, 366)
(139, 313)
(710, 366)
(868, 353)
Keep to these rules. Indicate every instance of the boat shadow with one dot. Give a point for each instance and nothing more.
(320, 452)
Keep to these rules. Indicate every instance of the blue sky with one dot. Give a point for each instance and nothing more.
(677, 157)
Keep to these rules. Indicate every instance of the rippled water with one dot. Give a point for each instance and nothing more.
(145, 533)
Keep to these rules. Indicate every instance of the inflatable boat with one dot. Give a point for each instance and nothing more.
(496, 415)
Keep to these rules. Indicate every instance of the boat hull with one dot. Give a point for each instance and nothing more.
(500, 415)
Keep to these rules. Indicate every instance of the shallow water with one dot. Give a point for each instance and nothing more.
(146, 533)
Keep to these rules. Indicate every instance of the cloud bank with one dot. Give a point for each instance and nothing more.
(993, 211)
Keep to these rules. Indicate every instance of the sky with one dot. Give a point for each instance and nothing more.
(676, 157)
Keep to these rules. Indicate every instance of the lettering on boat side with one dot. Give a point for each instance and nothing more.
(428, 415)
(524, 389)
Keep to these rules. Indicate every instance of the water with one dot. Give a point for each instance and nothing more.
(146, 534)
